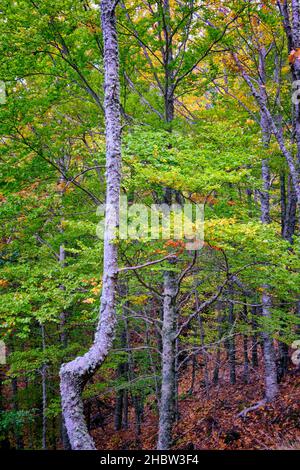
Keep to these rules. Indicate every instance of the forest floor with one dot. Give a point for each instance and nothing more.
(209, 419)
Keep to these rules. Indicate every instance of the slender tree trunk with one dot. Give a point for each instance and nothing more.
(283, 202)
(44, 394)
(204, 352)
(276, 129)
(283, 360)
(295, 68)
(2, 377)
(137, 404)
(265, 192)
(121, 373)
(193, 375)
(289, 222)
(63, 315)
(167, 399)
(118, 418)
(176, 379)
(288, 226)
(74, 375)
(231, 345)
(291, 24)
(64, 341)
(17, 433)
(15, 400)
(254, 355)
(218, 352)
(166, 416)
(245, 351)
(271, 385)
(125, 409)
(152, 364)
(62, 252)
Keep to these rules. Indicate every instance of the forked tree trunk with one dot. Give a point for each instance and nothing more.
(75, 374)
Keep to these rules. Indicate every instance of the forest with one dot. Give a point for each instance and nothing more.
(150, 225)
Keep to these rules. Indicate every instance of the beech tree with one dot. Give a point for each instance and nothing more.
(75, 374)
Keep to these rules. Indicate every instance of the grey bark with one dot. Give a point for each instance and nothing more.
(265, 130)
(176, 378)
(245, 349)
(294, 30)
(168, 385)
(283, 361)
(166, 416)
(204, 352)
(271, 384)
(44, 393)
(193, 375)
(288, 209)
(288, 225)
(231, 346)
(63, 317)
(216, 372)
(75, 374)
(254, 355)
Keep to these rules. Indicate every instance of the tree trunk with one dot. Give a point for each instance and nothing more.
(17, 433)
(121, 374)
(166, 416)
(125, 409)
(216, 372)
(75, 374)
(283, 360)
(167, 399)
(118, 416)
(246, 360)
(289, 222)
(295, 68)
(254, 356)
(44, 394)
(271, 384)
(231, 345)
(204, 352)
(245, 350)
